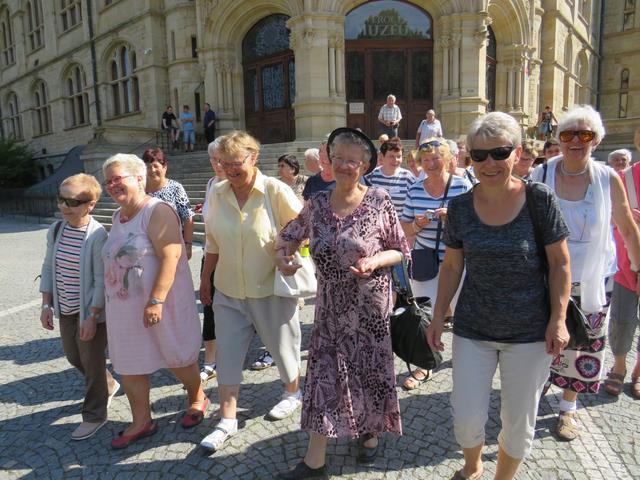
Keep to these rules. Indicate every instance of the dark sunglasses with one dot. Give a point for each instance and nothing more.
(585, 136)
(71, 202)
(430, 145)
(498, 153)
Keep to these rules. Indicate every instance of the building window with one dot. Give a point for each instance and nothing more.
(629, 14)
(70, 13)
(77, 97)
(13, 122)
(173, 45)
(194, 47)
(8, 46)
(125, 93)
(41, 109)
(624, 93)
(585, 9)
(35, 24)
(492, 55)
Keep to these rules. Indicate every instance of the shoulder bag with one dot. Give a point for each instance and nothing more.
(425, 262)
(301, 284)
(575, 319)
(409, 322)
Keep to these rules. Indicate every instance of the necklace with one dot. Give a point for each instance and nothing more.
(573, 174)
(125, 218)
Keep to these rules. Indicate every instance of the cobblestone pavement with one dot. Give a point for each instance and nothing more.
(40, 402)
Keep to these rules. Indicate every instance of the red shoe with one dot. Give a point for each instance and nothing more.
(123, 441)
(190, 420)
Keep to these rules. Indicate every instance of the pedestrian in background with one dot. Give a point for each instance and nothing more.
(619, 159)
(390, 117)
(72, 287)
(188, 128)
(312, 160)
(209, 122)
(430, 127)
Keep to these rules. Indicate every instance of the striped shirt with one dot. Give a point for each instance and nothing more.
(396, 185)
(68, 268)
(418, 201)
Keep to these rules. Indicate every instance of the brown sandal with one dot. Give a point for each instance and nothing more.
(635, 388)
(614, 383)
(414, 381)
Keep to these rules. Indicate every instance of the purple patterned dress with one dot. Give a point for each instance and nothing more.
(350, 383)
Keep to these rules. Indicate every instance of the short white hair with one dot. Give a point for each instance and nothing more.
(131, 163)
(495, 125)
(391, 96)
(622, 151)
(213, 146)
(582, 114)
(313, 153)
(453, 146)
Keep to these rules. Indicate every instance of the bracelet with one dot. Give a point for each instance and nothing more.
(188, 243)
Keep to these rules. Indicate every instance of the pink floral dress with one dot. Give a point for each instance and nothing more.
(350, 383)
(131, 267)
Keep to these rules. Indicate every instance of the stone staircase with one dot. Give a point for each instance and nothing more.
(193, 171)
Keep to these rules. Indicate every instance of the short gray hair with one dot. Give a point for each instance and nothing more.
(495, 125)
(313, 153)
(391, 95)
(213, 146)
(582, 114)
(453, 147)
(349, 138)
(622, 151)
(132, 164)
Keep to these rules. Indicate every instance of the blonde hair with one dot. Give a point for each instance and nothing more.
(443, 150)
(238, 141)
(132, 164)
(90, 184)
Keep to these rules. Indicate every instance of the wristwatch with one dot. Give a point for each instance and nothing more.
(46, 305)
(155, 301)
(94, 315)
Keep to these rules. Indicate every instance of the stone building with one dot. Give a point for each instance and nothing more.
(74, 72)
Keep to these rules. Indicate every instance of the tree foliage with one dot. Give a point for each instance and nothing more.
(17, 167)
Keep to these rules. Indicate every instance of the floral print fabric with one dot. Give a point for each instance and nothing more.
(350, 382)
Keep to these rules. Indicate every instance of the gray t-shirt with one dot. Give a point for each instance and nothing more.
(503, 296)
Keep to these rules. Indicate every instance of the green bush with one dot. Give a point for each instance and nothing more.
(17, 167)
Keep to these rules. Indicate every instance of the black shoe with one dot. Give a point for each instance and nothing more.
(367, 455)
(304, 471)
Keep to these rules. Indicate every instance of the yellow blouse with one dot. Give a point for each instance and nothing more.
(244, 239)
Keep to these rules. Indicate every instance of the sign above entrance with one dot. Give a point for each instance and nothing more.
(387, 20)
(356, 107)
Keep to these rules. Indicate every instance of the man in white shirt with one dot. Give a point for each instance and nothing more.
(390, 117)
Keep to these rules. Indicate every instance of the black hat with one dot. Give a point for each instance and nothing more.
(374, 153)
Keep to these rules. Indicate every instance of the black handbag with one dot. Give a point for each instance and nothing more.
(425, 262)
(575, 319)
(409, 322)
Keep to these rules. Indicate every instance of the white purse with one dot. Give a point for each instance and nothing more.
(301, 284)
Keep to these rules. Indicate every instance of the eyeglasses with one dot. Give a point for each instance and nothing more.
(347, 162)
(498, 153)
(428, 146)
(71, 202)
(229, 165)
(585, 136)
(115, 180)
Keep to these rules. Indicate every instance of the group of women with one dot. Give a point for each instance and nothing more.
(511, 251)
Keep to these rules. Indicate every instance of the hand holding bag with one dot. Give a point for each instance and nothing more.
(301, 284)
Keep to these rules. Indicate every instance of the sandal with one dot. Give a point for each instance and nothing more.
(459, 475)
(614, 383)
(196, 416)
(416, 379)
(567, 428)
(265, 360)
(367, 455)
(635, 388)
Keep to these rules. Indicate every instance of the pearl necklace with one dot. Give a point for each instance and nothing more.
(573, 174)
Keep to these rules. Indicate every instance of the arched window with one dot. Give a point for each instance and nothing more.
(568, 56)
(6, 37)
(624, 93)
(581, 94)
(125, 96)
(568, 52)
(77, 97)
(41, 109)
(70, 13)
(35, 24)
(13, 122)
(492, 55)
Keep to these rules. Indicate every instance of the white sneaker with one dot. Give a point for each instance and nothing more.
(208, 372)
(113, 392)
(217, 437)
(286, 406)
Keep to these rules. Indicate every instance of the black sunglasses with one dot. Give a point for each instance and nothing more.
(430, 145)
(498, 153)
(71, 202)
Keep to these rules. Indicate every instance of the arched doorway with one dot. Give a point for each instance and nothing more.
(269, 80)
(389, 50)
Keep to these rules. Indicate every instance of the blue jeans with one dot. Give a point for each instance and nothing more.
(189, 136)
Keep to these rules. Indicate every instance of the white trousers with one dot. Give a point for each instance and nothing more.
(524, 368)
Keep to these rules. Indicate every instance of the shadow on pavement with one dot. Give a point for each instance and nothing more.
(33, 351)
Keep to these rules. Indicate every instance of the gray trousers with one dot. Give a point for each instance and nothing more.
(623, 319)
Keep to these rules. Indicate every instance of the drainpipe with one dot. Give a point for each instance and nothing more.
(600, 53)
(94, 63)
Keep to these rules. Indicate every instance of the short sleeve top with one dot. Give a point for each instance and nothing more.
(175, 195)
(503, 296)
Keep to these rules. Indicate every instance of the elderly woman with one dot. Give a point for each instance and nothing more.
(619, 159)
(425, 209)
(590, 197)
(413, 164)
(241, 249)
(289, 172)
(312, 160)
(524, 166)
(355, 239)
(430, 127)
(504, 315)
(152, 316)
(72, 287)
(172, 192)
